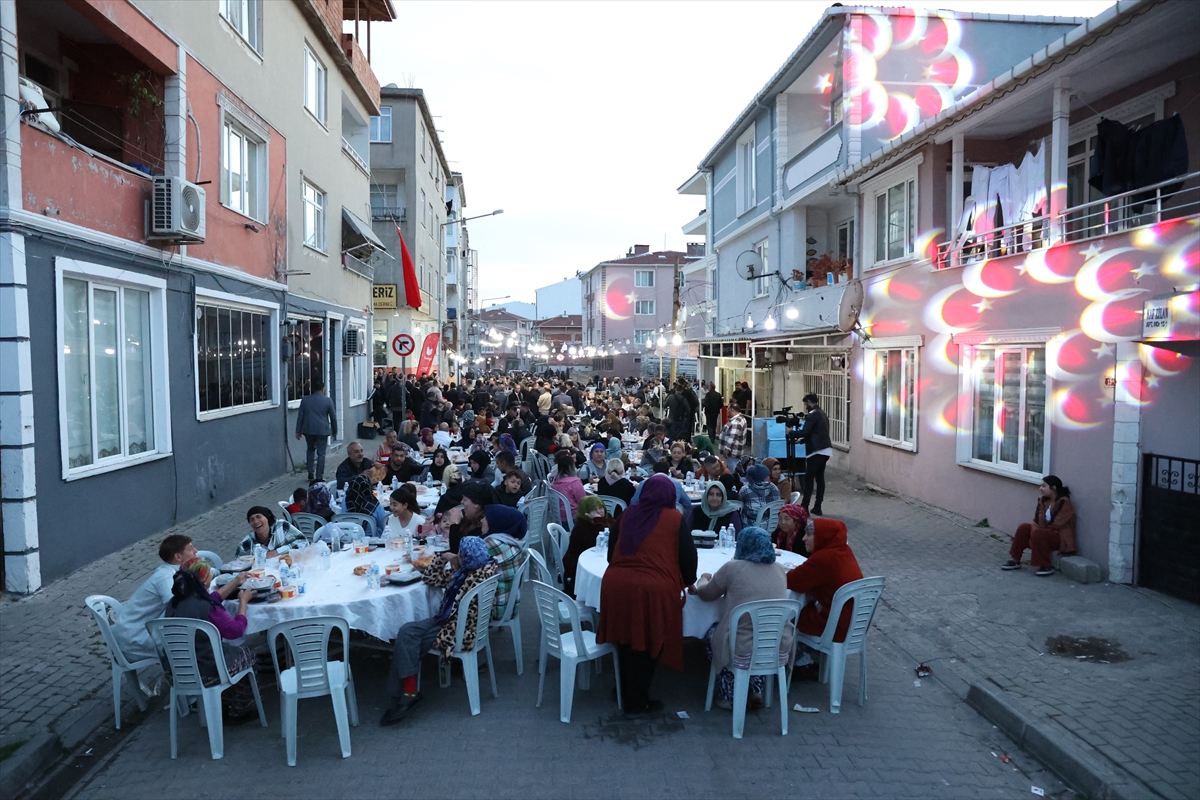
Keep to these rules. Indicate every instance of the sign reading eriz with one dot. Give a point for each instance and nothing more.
(385, 295)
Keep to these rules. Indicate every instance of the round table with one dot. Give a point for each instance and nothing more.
(340, 593)
(698, 615)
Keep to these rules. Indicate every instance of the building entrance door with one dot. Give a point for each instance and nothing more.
(1169, 548)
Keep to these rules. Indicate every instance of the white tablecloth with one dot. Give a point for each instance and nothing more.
(698, 615)
(341, 593)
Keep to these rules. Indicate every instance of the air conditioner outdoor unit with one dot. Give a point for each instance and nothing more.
(355, 343)
(177, 210)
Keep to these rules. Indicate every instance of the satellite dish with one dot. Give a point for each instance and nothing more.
(749, 265)
(850, 306)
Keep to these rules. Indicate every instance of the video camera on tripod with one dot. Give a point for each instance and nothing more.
(792, 422)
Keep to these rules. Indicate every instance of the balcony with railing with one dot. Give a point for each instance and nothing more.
(1146, 206)
(392, 212)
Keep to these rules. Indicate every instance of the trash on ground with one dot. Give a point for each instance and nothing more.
(916, 683)
(924, 671)
(1004, 759)
(1039, 791)
(805, 709)
(682, 714)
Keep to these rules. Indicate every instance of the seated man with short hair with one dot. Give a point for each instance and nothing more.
(355, 463)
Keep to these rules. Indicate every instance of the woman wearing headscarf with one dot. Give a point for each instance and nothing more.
(437, 466)
(474, 498)
(516, 484)
(716, 511)
(319, 501)
(591, 518)
(751, 575)
(508, 443)
(757, 491)
(503, 529)
(794, 525)
(614, 483)
(704, 446)
(360, 499)
(428, 445)
(479, 467)
(652, 560)
(471, 566)
(277, 536)
(781, 481)
(596, 464)
(830, 567)
(191, 599)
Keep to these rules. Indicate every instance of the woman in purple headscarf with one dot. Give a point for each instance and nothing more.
(641, 598)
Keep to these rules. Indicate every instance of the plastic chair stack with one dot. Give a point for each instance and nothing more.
(176, 639)
(571, 648)
(312, 674)
(770, 620)
(865, 595)
(101, 606)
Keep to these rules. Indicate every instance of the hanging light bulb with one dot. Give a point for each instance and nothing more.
(769, 324)
(791, 312)
(649, 343)
(749, 321)
(662, 342)
(676, 340)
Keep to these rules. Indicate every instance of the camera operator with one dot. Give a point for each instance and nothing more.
(814, 432)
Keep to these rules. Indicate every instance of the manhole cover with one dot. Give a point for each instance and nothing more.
(1093, 648)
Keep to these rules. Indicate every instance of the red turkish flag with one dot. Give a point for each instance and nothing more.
(427, 350)
(412, 289)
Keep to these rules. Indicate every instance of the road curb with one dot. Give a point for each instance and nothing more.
(1079, 769)
(28, 760)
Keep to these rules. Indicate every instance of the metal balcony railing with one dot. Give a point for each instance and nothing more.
(1148, 205)
(395, 213)
(349, 150)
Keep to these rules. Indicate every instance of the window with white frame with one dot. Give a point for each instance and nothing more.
(314, 217)
(890, 209)
(314, 85)
(890, 376)
(747, 171)
(234, 364)
(762, 284)
(245, 17)
(381, 126)
(644, 308)
(306, 357)
(643, 336)
(113, 393)
(844, 245)
(424, 209)
(360, 375)
(243, 164)
(643, 278)
(1003, 400)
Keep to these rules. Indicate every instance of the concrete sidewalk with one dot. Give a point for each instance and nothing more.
(57, 680)
(1124, 721)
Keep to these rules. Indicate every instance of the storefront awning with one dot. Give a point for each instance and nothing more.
(357, 233)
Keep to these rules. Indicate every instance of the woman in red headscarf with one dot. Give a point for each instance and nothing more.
(830, 567)
(794, 524)
(652, 559)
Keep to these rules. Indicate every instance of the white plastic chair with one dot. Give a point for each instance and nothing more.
(571, 648)
(314, 675)
(795, 498)
(101, 606)
(613, 504)
(361, 519)
(176, 638)
(210, 557)
(283, 510)
(535, 521)
(512, 615)
(770, 621)
(308, 524)
(560, 511)
(557, 541)
(485, 593)
(865, 593)
(768, 516)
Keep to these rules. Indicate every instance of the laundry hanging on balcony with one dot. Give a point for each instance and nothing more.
(1128, 158)
(412, 288)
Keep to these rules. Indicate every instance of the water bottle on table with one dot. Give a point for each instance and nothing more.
(260, 556)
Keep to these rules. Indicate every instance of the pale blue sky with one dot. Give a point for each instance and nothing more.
(580, 119)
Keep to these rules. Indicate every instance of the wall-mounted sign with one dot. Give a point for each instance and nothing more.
(385, 295)
(1156, 318)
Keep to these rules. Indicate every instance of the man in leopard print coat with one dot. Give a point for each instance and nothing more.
(456, 575)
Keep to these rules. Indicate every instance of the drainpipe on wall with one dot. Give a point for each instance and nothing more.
(18, 488)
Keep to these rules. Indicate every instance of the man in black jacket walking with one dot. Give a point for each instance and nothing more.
(814, 432)
(713, 403)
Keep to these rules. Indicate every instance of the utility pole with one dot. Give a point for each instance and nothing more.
(675, 315)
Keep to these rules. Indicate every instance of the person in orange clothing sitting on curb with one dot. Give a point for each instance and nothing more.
(830, 567)
(1053, 529)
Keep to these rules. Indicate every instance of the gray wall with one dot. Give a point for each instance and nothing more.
(213, 462)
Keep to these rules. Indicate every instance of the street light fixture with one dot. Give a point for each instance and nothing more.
(468, 219)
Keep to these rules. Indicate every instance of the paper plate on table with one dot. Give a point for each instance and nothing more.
(237, 565)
